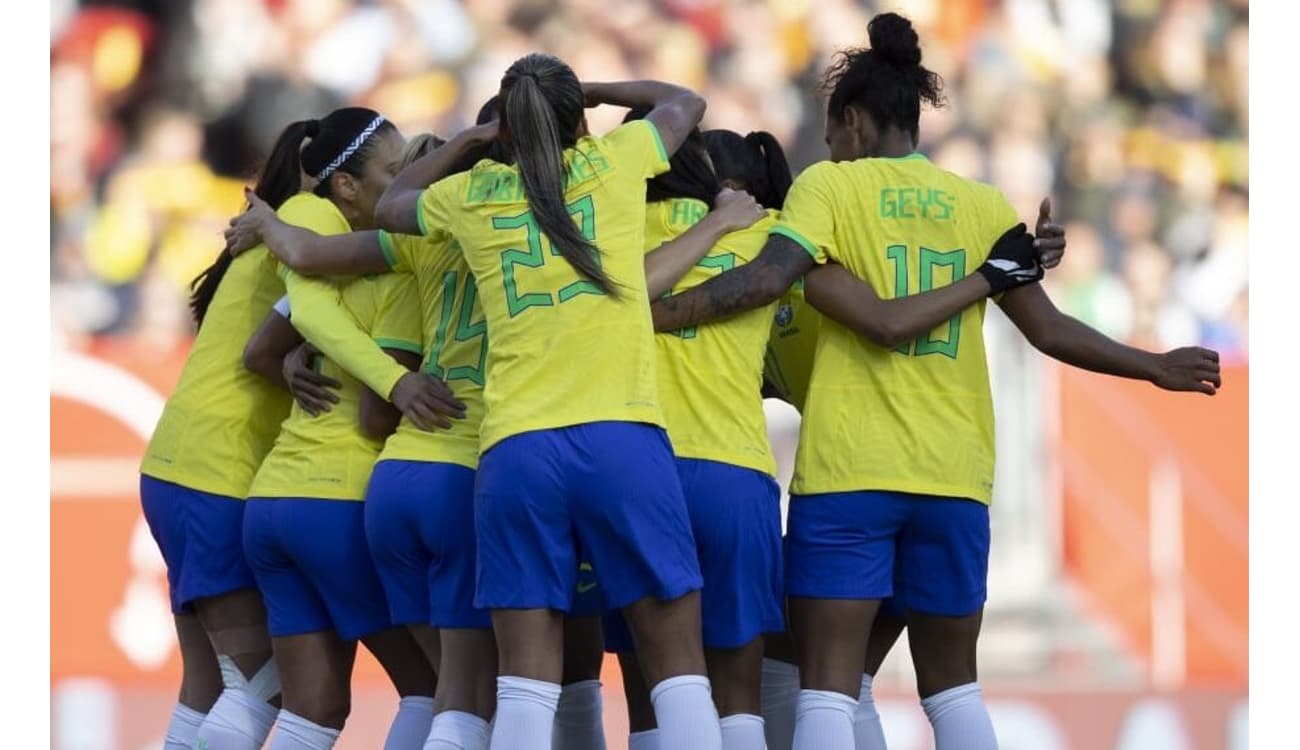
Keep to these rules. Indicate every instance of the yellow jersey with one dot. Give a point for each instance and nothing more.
(329, 456)
(563, 352)
(917, 418)
(455, 346)
(788, 363)
(221, 419)
(711, 375)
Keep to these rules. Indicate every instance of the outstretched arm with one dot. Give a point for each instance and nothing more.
(752, 285)
(1064, 338)
(853, 303)
(675, 110)
(398, 209)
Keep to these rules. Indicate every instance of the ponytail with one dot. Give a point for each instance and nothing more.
(776, 170)
(543, 105)
(755, 162)
(281, 178)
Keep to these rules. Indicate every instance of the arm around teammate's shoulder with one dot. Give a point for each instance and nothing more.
(398, 209)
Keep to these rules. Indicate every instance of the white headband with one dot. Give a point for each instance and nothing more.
(352, 148)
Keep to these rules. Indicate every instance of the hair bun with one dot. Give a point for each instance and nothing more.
(312, 129)
(894, 39)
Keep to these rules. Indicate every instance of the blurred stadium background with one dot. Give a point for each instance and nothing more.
(1118, 602)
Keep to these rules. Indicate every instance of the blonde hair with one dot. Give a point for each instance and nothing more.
(418, 146)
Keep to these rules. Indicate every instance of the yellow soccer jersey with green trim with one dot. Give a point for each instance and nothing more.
(917, 418)
(455, 346)
(221, 419)
(788, 362)
(711, 375)
(563, 352)
(328, 456)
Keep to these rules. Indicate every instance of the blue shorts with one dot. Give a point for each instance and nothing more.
(420, 526)
(932, 552)
(609, 489)
(201, 539)
(736, 519)
(313, 566)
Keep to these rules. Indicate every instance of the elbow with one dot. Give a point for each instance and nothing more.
(886, 335)
(255, 360)
(695, 105)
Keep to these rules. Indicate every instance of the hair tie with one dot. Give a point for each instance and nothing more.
(347, 153)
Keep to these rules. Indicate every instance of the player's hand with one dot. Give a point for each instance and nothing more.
(1013, 261)
(426, 401)
(1049, 237)
(736, 209)
(313, 391)
(245, 230)
(1191, 368)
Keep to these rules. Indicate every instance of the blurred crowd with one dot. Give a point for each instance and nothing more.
(1131, 114)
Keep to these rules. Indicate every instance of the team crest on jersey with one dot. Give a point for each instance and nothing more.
(784, 314)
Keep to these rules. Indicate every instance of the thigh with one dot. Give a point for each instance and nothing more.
(530, 643)
(316, 675)
(736, 519)
(293, 606)
(403, 661)
(944, 555)
(828, 642)
(584, 649)
(327, 542)
(467, 672)
(943, 650)
(841, 545)
(525, 545)
(630, 513)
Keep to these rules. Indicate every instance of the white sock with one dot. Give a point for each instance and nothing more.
(960, 719)
(824, 721)
(525, 714)
(183, 728)
(867, 732)
(411, 724)
(458, 730)
(238, 720)
(742, 732)
(293, 732)
(647, 740)
(685, 713)
(579, 718)
(780, 694)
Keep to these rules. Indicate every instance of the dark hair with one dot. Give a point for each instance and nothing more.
(541, 107)
(347, 134)
(689, 174)
(756, 161)
(494, 150)
(887, 80)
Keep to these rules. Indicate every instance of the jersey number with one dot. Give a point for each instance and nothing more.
(929, 260)
(466, 330)
(584, 210)
(723, 262)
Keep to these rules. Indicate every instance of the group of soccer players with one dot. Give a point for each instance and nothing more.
(493, 406)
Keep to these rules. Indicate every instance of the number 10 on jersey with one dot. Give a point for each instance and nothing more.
(929, 260)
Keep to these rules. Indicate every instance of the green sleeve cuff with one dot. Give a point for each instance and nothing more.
(398, 344)
(386, 246)
(802, 241)
(419, 213)
(659, 141)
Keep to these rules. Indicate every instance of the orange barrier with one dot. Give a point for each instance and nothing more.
(1155, 513)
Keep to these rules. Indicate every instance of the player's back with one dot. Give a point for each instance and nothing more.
(221, 419)
(563, 351)
(921, 412)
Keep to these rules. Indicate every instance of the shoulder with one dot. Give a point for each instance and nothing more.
(313, 212)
